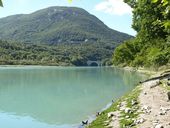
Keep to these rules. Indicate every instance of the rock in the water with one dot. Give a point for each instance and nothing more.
(84, 122)
(98, 113)
(159, 126)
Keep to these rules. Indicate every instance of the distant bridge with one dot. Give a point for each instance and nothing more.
(94, 63)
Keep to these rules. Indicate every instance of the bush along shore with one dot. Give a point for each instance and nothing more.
(147, 106)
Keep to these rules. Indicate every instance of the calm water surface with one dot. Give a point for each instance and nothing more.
(57, 97)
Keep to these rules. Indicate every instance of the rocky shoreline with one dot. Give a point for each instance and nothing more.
(147, 106)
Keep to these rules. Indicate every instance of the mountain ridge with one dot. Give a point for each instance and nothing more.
(58, 24)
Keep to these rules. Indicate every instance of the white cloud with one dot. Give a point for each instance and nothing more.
(116, 7)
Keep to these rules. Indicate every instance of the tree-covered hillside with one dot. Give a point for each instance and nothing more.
(151, 47)
(55, 25)
(59, 55)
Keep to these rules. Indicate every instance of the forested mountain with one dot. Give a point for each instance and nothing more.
(59, 55)
(58, 25)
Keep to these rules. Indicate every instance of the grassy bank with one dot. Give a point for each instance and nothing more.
(126, 119)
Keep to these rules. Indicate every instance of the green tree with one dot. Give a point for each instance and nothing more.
(151, 20)
(150, 17)
(165, 12)
(1, 4)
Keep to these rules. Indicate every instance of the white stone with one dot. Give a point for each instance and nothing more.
(140, 121)
(145, 93)
(126, 117)
(118, 106)
(155, 121)
(127, 110)
(145, 107)
(162, 113)
(110, 114)
(133, 102)
(159, 126)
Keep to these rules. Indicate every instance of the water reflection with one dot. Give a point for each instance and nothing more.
(60, 96)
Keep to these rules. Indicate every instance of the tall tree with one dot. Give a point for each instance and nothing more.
(151, 47)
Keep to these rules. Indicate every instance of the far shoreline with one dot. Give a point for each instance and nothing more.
(53, 66)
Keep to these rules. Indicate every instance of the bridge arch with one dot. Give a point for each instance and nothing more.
(94, 63)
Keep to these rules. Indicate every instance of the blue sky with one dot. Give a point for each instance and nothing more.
(114, 13)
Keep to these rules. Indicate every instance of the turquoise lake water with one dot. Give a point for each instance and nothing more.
(58, 97)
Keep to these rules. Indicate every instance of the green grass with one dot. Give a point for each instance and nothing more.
(124, 122)
(100, 120)
(164, 85)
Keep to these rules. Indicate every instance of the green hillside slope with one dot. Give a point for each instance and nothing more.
(58, 25)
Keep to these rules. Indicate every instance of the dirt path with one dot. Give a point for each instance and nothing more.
(155, 106)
